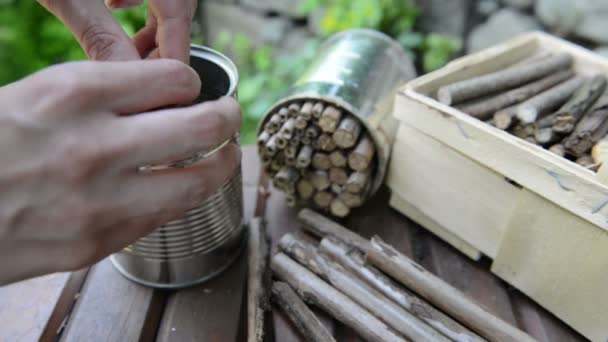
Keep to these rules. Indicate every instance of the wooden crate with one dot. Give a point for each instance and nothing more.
(541, 218)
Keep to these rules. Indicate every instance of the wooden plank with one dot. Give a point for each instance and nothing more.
(539, 323)
(34, 308)
(212, 311)
(404, 207)
(469, 200)
(565, 183)
(110, 308)
(559, 260)
(208, 312)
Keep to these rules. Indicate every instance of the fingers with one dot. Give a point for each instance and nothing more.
(172, 192)
(119, 87)
(99, 34)
(145, 39)
(174, 21)
(118, 4)
(174, 134)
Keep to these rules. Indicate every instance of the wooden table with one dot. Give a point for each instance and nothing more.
(98, 304)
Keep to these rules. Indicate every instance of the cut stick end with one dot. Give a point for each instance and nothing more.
(444, 96)
(503, 120)
(527, 114)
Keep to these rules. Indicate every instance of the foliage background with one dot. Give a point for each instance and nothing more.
(31, 39)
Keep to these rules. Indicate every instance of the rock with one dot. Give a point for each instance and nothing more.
(602, 51)
(585, 19)
(287, 7)
(501, 26)
(445, 17)
(519, 4)
(235, 19)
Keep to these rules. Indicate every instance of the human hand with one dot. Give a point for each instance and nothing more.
(166, 34)
(71, 192)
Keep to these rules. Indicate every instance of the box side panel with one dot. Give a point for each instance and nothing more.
(404, 207)
(469, 200)
(560, 261)
(557, 179)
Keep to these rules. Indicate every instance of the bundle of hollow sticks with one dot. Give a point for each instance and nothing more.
(318, 153)
(541, 100)
(368, 286)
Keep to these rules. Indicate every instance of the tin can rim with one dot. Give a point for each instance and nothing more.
(220, 59)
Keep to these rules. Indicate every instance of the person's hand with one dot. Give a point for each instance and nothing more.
(166, 35)
(71, 190)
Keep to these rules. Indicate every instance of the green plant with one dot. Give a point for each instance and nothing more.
(31, 38)
(393, 17)
(265, 76)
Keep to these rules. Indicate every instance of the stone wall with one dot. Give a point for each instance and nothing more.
(478, 23)
(265, 22)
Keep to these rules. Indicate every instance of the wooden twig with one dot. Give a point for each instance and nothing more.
(305, 189)
(506, 118)
(326, 143)
(361, 157)
(301, 124)
(294, 109)
(291, 151)
(323, 199)
(304, 157)
(286, 176)
(484, 109)
(312, 132)
(547, 136)
(320, 180)
(263, 139)
(287, 130)
(441, 294)
(338, 208)
(599, 152)
(309, 326)
(501, 80)
(570, 114)
(592, 128)
(338, 175)
(320, 161)
(271, 146)
(338, 159)
(558, 149)
(359, 291)
(587, 162)
(306, 111)
(317, 110)
(329, 119)
(532, 109)
(258, 280)
(354, 261)
(281, 141)
(524, 131)
(351, 200)
(274, 124)
(283, 115)
(317, 292)
(357, 182)
(321, 226)
(347, 133)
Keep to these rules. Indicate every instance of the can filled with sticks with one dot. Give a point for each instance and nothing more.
(327, 143)
(208, 238)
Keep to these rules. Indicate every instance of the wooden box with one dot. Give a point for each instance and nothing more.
(542, 219)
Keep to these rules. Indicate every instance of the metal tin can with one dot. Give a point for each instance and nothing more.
(208, 238)
(359, 71)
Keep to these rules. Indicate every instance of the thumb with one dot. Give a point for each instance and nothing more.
(98, 33)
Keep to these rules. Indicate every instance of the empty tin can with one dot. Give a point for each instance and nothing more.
(208, 238)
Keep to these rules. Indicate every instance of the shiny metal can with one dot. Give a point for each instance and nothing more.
(207, 240)
(359, 71)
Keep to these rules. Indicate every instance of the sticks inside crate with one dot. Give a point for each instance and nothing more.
(320, 154)
(542, 100)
